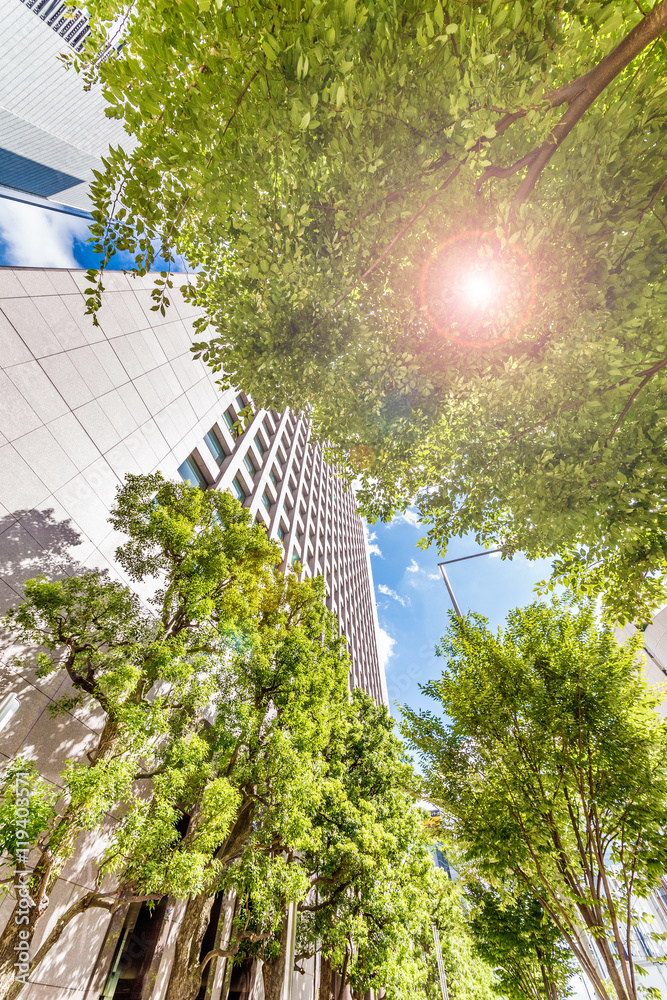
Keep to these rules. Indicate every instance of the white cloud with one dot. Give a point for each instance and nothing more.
(408, 516)
(34, 237)
(388, 592)
(385, 647)
(371, 541)
(419, 572)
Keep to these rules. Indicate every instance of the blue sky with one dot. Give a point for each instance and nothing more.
(413, 602)
(411, 596)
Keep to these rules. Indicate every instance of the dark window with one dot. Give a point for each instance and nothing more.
(249, 464)
(215, 446)
(280, 532)
(238, 488)
(239, 402)
(135, 950)
(258, 443)
(266, 501)
(273, 477)
(191, 473)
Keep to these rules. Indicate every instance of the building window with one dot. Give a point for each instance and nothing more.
(69, 23)
(266, 501)
(286, 507)
(273, 477)
(258, 444)
(237, 488)
(232, 423)
(191, 473)
(239, 402)
(247, 461)
(215, 446)
(280, 532)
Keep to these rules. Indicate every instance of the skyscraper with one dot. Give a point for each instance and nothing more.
(79, 407)
(53, 133)
(82, 405)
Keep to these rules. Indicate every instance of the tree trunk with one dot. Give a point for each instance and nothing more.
(273, 973)
(343, 976)
(326, 980)
(186, 972)
(20, 926)
(91, 899)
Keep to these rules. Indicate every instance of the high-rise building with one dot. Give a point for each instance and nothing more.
(79, 407)
(53, 133)
(82, 405)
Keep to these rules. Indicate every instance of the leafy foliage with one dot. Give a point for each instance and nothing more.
(550, 769)
(521, 943)
(374, 889)
(310, 160)
(151, 674)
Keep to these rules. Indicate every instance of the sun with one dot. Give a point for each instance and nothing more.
(479, 289)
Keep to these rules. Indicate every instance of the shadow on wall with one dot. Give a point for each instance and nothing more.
(34, 543)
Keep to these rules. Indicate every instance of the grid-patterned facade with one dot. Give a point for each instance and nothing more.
(71, 25)
(80, 406)
(275, 470)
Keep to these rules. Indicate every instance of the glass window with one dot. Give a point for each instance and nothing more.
(240, 403)
(238, 489)
(266, 501)
(191, 473)
(229, 419)
(286, 507)
(247, 461)
(273, 477)
(215, 446)
(280, 532)
(295, 558)
(259, 445)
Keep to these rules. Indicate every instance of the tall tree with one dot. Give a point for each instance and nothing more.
(151, 672)
(550, 768)
(374, 890)
(330, 169)
(283, 696)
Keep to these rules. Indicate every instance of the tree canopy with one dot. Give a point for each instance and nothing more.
(551, 772)
(352, 178)
(151, 671)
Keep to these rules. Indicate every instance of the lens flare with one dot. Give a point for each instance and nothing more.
(477, 290)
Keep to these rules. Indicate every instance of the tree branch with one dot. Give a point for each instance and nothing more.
(647, 378)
